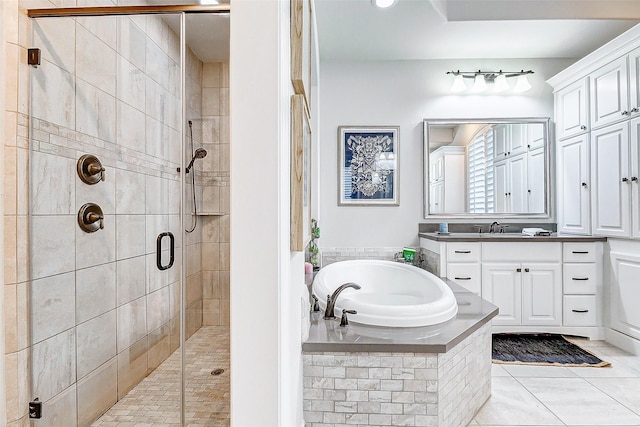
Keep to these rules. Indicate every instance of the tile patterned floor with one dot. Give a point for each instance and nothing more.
(521, 395)
(557, 396)
(155, 402)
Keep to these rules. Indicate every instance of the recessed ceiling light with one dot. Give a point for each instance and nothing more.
(383, 4)
(209, 2)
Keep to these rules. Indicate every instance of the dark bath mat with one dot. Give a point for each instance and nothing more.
(541, 349)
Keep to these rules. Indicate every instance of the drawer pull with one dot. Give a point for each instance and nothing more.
(579, 252)
(462, 278)
(580, 311)
(462, 252)
(579, 278)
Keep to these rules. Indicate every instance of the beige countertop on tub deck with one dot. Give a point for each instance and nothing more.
(473, 312)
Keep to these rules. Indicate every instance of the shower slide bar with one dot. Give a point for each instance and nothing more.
(125, 10)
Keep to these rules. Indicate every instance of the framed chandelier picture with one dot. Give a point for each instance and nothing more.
(368, 169)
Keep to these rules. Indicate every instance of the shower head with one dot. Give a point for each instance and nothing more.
(200, 153)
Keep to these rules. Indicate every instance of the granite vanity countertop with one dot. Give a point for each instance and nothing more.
(329, 336)
(508, 237)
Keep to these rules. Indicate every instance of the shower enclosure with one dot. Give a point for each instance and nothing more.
(129, 281)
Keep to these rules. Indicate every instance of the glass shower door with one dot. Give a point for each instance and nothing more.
(106, 137)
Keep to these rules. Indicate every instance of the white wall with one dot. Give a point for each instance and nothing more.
(403, 93)
(267, 280)
(3, 82)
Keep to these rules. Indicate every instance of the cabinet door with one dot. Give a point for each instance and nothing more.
(518, 142)
(501, 137)
(610, 204)
(517, 188)
(571, 109)
(535, 181)
(435, 198)
(541, 294)
(609, 94)
(635, 177)
(501, 284)
(535, 136)
(572, 173)
(501, 187)
(625, 293)
(634, 80)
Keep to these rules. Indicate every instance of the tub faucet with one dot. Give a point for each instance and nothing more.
(331, 299)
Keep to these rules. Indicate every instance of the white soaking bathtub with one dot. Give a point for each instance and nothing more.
(392, 294)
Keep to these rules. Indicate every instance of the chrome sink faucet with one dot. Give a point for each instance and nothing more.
(331, 299)
(492, 228)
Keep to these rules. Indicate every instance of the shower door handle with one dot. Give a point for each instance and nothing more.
(172, 245)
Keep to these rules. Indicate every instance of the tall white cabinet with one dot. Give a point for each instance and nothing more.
(597, 111)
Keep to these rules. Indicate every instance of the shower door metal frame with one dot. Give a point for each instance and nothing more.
(182, 10)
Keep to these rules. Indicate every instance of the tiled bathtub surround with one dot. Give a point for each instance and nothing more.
(399, 389)
(331, 255)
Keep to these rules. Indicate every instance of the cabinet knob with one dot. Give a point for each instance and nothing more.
(634, 110)
(518, 270)
(526, 270)
(625, 179)
(625, 113)
(584, 184)
(583, 127)
(634, 178)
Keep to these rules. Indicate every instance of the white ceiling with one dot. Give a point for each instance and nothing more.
(454, 29)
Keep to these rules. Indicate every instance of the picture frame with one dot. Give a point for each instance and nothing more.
(300, 175)
(368, 165)
(301, 50)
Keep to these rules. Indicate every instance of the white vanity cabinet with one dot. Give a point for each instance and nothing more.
(524, 280)
(572, 175)
(538, 286)
(572, 109)
(582, 283)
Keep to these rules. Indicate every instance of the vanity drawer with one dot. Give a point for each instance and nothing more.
(527, 251)
(579, 310)
(579, 252)
(466, 275)
(463, 252)
(580, 278)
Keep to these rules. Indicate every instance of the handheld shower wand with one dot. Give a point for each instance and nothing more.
(200, 153)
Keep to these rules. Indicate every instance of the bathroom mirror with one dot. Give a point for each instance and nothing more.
(496, 168)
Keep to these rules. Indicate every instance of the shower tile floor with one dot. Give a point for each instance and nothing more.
(524, 395)
(155, 401)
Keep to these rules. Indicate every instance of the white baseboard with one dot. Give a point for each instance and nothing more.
(622, 341)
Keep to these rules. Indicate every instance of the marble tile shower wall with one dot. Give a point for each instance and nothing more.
(102, 315)
(214, 176)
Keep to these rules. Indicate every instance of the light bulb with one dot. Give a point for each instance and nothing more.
(458, 84)
(522, 84)
(500, 84)
(479, 84)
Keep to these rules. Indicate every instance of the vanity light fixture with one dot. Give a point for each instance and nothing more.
(209, 2)
(522, 84)
(497, 80)
(458, 84)
(383, 4)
